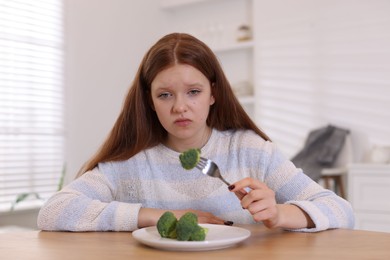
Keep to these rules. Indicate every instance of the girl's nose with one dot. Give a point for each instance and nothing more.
(180, 105)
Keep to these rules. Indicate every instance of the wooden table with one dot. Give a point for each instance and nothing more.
(262, 244)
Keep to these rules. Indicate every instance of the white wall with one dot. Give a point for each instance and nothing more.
(323, 62)
(105, 42)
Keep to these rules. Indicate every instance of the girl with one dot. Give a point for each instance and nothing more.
(181, 99)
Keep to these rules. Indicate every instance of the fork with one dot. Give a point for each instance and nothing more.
(210, 168)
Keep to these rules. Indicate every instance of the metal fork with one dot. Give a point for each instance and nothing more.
(208, 167)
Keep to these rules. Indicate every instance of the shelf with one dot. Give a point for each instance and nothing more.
(372, 168)
(246, 100)
(234, 47)
(172, 4)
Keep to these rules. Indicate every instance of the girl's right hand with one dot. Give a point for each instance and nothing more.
(203, 217)
(149, 216)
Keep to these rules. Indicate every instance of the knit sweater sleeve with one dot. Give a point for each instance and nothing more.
(292, 186)
(88, 204)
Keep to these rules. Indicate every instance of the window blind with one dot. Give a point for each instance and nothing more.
(31, 100)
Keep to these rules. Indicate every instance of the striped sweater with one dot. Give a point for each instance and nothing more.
(109, 197)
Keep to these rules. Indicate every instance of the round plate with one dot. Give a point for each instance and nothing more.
(218, 237)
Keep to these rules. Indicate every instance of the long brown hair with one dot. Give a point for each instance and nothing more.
(138, 128)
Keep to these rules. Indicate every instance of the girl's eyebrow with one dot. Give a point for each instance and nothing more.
(163, 87)
(195, 84)
(169, 87)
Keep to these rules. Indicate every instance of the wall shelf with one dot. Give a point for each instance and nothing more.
(246, 45)
(172, 4)
(246, 100)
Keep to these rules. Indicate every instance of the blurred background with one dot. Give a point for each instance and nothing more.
(296, 66)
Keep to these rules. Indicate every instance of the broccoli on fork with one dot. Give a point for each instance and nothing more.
(190, 158)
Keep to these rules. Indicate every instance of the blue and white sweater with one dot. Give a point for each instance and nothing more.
(109, 197)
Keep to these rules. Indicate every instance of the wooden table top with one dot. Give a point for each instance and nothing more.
(262, 244)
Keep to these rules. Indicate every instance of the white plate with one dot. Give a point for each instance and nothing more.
(218, 237)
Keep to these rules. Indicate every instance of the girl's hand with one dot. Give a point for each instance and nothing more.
(260, 201)
(203, 217)
(150, 216)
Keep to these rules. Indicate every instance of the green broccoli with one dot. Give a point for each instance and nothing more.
(184, 229)
(187, 228)
(190, 158)
(166, 225)
(199, 234)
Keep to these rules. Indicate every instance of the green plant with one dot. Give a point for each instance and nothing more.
(23, 196)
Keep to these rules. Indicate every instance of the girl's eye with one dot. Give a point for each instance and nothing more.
(164, 95)
(194, 92)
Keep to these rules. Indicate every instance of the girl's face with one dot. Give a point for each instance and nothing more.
(181, 97)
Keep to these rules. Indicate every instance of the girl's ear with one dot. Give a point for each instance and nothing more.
(212, 99)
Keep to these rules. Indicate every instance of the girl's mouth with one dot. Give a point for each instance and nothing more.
(182, 122)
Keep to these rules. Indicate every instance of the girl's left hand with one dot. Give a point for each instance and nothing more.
(259, 200)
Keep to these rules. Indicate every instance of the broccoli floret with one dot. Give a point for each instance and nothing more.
(187, 228)
(184, 229)
(190, 158)
(199, 234)
(166, 225)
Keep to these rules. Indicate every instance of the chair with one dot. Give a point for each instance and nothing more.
(325, 156)
(321, 150)
(333, 177)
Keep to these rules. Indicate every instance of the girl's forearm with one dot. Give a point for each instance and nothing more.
(293, 217)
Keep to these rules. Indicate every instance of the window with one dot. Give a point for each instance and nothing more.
(31, 99)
